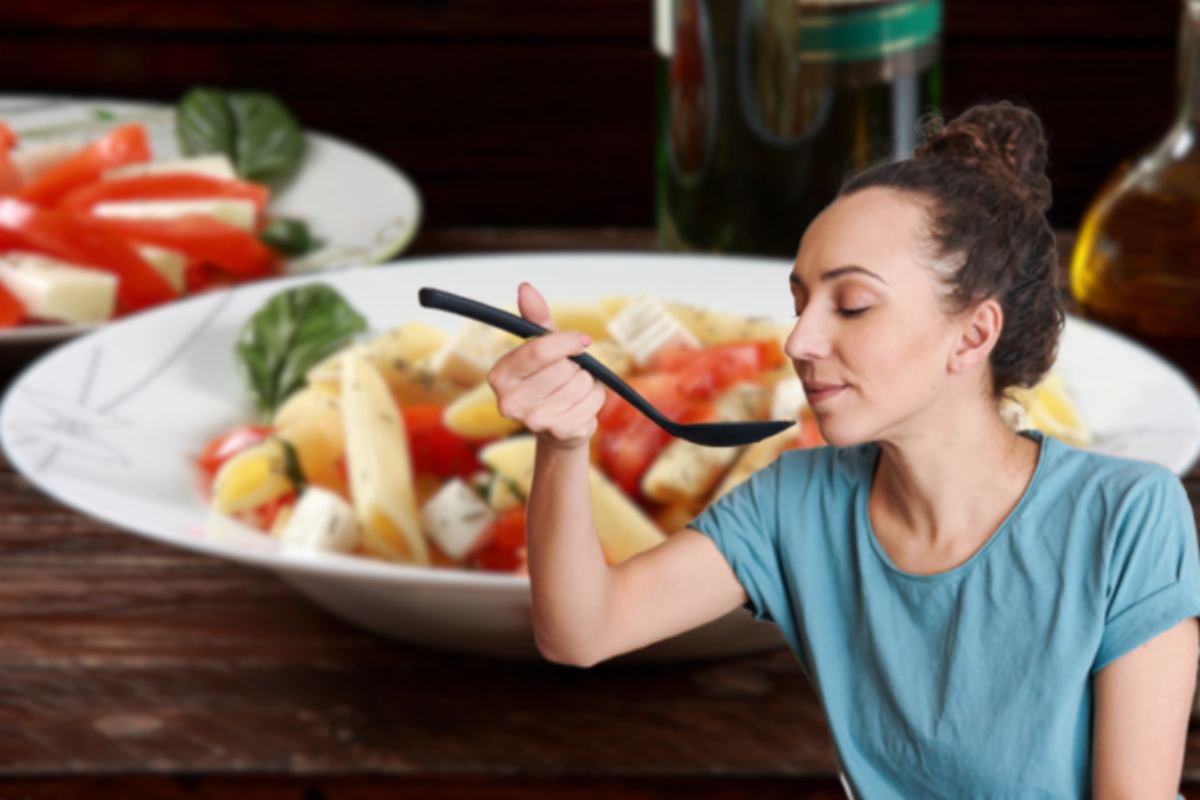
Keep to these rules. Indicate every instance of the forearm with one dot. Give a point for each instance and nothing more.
(570, 580)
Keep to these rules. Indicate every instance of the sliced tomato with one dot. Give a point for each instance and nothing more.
(703, 372)
(506, 547)
(85, 241)
(203, 238)
(269, 511)
(10, 176)
(12, 310)
(627, 453)
(127, 144)
(436, 449)
(661, 390)
(167, 186)
(228, 445)
(200, 277)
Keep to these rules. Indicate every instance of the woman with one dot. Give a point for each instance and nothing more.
(983, 613)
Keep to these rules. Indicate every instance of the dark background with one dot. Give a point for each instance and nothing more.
(540, 112)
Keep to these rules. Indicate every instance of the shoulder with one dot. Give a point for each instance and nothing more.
(1110, 484)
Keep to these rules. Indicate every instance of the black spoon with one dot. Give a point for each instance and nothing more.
(713, 434)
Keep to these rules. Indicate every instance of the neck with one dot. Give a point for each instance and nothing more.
(949, 476)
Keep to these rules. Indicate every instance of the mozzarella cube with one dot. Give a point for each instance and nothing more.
(644, 326)
(787, 399)
(321, 521)
(458, 519)
(470, 353)
(58, 290)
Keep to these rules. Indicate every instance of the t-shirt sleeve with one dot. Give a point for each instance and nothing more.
(1153, 574)
(743, 524)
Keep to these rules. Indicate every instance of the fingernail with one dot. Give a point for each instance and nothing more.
(584, 340)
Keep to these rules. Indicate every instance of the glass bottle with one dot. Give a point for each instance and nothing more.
(1136, 263)
(765, 106)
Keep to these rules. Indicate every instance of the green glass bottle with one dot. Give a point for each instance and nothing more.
(765, 106)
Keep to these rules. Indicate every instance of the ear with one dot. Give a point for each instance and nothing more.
(979, 330)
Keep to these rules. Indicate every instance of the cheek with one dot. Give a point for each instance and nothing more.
(897, 359)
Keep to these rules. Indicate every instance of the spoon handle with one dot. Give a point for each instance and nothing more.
(519, 326)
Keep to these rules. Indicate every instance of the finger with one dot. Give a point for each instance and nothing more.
(541, 351)
(532, 306)
(561, 400)
(582, 419)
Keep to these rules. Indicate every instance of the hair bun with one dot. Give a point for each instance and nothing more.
(1001, 140)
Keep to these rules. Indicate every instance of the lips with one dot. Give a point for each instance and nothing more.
(816, 392)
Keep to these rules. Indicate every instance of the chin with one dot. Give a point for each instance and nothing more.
(841, 434)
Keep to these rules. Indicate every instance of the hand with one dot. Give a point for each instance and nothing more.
(537, 385)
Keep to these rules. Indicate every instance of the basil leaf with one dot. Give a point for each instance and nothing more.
(290, 334)
(256, 131)
(289, 237)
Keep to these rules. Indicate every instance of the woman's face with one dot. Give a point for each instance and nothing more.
(869, 324)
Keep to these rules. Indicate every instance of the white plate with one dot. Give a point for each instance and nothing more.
(107, 424)
(363, 208)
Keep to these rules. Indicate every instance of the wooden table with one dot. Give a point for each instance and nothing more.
(130, 669)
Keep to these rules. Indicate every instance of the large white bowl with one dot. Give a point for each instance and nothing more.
(108, 424)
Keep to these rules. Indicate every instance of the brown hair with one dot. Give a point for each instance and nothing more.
(984, 178)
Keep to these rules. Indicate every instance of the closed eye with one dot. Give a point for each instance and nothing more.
(845, 312)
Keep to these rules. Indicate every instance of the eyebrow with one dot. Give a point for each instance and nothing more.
(837, 272)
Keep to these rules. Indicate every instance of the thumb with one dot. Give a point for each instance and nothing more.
(533, 307)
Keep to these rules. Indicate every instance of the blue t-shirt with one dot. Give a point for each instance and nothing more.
(977, 681)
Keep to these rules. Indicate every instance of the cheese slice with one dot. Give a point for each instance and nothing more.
(212, 166)
(171, 264)
(238, 213)
(33, 161)
(58, 290)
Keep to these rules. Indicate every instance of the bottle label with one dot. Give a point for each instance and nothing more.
(863, 34)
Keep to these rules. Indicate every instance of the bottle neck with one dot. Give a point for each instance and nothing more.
(1189, 64)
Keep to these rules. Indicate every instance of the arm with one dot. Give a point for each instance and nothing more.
(583, 610)
(1143, 701)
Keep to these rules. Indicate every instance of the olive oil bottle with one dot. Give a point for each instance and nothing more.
(765, 106)
(1136, 264)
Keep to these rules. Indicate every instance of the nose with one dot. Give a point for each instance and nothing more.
(809, 339)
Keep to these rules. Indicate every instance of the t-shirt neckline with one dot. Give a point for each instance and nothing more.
(864, 513)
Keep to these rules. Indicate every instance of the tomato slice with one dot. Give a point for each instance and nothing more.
(436, 449)
(703, 372)
(84, 240)
(228, 445)
(10, 178)
(127, 144)
(506, 547)
(203, 238)
(167, 186)
(12, 310)
(627, 453)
